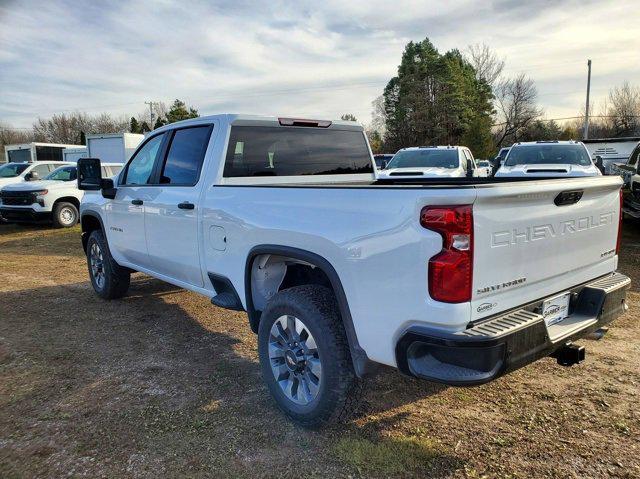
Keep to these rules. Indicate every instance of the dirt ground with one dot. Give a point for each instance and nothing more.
(163, 384)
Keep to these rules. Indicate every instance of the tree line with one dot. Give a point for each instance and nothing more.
(464, 98)
(72, 128)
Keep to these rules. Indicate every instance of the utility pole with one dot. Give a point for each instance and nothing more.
(150, 103)
(585, 134)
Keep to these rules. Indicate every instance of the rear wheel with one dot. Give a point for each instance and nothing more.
(305, 359)
(65, 215)
(108, 278)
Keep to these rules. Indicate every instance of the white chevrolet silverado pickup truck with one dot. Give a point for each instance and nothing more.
(456, 280)
(433, 161)
(55, 198)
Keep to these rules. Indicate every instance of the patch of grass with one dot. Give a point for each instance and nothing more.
(621, 427)
(387, 456)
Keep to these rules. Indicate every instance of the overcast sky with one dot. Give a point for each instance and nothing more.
(306, 58)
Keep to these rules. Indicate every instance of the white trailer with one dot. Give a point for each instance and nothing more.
(34, 151)
(611, 150)
(113, 147)
(72, 155)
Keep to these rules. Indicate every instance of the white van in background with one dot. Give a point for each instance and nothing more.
(548, 158)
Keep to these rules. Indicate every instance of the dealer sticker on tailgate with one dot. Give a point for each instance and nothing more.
(556, 309)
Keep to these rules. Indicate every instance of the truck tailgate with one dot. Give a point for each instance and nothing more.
(535, 239)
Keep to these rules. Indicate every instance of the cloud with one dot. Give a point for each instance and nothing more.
(290, 58)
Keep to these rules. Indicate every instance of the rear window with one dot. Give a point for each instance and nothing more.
(425, 158)
(290, 151)
(548, 155)
(19, 156)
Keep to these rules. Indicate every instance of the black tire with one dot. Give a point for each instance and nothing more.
(339, 390)
(114, 282)
(65, 215)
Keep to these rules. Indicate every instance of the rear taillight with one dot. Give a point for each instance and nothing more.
(451, 270)
(620, 224)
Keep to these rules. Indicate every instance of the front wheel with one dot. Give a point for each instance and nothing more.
(108, 278)
(65, 215)
(305, 359)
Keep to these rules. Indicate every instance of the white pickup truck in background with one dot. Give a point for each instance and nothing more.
(11, 173)
(549, 158)
(287, 220)
(55, 198)
(433, 161)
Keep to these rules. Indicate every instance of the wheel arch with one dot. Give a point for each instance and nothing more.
(89, 222)
(362, 364)
(68, 199)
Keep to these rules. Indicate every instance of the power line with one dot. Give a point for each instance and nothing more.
(572, 118)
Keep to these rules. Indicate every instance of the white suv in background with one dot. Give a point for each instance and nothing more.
(432, 162)
(548, 158)
(18, 172)
(55, 199)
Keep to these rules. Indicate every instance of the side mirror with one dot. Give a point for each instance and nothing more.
(89, 174)
(33, 176)
(599, 163)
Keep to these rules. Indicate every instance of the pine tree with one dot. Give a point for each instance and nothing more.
(179, 112)
(436, 99)
(134, 126)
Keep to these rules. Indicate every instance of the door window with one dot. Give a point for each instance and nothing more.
(41, 170)
(141, 165)
(185, 156)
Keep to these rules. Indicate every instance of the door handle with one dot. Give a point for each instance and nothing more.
(137, 202)
(185, 205)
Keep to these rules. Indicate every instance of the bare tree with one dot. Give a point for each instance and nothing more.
(70, 128)
(516, 106)
(486, 63)
(624, 109)
(378, 116)
(11, 136)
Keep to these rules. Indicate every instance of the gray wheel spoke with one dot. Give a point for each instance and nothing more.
(291, 327)
(314, 366)
(310, 386)
(281, 371)
(310, 344)
(276, 350)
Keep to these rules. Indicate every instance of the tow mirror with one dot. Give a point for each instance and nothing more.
(89, 174)
(599, 163)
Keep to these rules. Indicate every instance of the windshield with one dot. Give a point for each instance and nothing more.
(11, 170)
(548, 155)
(66, 173)
(426, 158)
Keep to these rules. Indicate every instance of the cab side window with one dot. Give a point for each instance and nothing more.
(185, 156)
(141, 165)
(41, 170)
